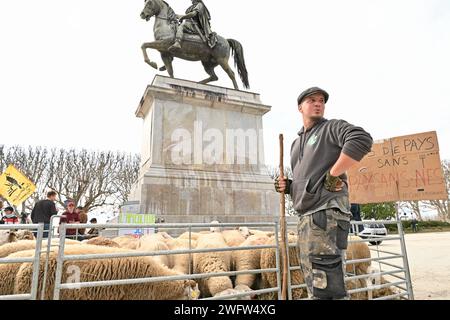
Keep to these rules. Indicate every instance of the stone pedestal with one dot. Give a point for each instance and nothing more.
(203, 155)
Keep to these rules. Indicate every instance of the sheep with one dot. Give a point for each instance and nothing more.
(194, 236)
(245, 232)
(215, 229)
(233, 238)
(357, 284)
(9, 271)
(25, 235)
(248, 260)
(260, 233)
(213, 262)
(7, 236)
(23, 245)
(180, 262)
(358, 251)
(383, 292)
(104, 242)
(376, 281)
(127, 242)
(153, 243)
(105, 270)
(164, 236)
(236, 290)
(268, 261)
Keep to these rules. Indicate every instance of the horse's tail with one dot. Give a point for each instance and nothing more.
(239, 61)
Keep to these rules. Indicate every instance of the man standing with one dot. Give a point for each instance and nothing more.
(71, 216)
(83, 218)
(196, 21)
(320, 157)
(44, 210)
(414, 222)
(93, 232)
(356, 213)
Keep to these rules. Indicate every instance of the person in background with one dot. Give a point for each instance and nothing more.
(1, 214)
(414, 223)
(43, 211)
(70, 217)
(356, 212)
(10, 217)
(83, 219)
(93, 232)
(24, 218)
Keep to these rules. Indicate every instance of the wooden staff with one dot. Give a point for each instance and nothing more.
(284, 251)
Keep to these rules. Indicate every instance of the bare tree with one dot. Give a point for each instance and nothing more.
(91, 179)
(414, 207)
(442, 206)
(32, 162)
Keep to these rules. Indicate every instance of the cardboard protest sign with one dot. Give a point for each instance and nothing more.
(399, 169)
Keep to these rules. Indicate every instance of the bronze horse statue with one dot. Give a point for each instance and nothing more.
(192, 46)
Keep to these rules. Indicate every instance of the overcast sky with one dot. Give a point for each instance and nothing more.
(72, 72)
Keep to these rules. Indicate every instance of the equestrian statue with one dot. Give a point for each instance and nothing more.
(189, 37)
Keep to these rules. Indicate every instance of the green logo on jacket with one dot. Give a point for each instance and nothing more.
(313, 140)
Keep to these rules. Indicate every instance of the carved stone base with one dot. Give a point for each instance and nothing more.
(203, 155)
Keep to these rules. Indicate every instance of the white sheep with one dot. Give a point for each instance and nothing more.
(213, 262)
(25, 235)
(215, 229)
(105, 270)
(233, 238)
(7, 236)
(194, 236)
(180, 262)
(248, 260)
(127, 242)
(103, 242)
(23, 245)
(153, 243)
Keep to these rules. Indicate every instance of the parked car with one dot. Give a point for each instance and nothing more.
(374, 229)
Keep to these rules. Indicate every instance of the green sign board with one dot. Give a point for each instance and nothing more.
(139, 219)
(132, 218)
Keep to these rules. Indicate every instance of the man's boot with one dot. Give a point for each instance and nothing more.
(176, 46)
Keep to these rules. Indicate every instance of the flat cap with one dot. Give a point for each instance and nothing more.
(310, 92)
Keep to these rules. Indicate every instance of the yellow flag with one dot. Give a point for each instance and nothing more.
(15, 186)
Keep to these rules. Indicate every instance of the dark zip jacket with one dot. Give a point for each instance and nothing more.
(313, 155)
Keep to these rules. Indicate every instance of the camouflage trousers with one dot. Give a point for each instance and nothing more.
(322, 241)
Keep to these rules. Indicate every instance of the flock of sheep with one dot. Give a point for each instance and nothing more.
(16, 277)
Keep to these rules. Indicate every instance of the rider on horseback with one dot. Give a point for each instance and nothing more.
(196, 21)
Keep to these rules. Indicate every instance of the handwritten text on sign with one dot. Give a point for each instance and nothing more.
(399, 169)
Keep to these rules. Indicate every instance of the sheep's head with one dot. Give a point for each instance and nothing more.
(243, 288)
(25, 235)
(215, 229)
(7, 236)
(191, 291)
(238, 290)
(245, 232)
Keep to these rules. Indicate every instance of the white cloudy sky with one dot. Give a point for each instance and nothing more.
(72, 72)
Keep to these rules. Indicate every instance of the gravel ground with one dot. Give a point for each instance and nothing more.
(429, 260)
